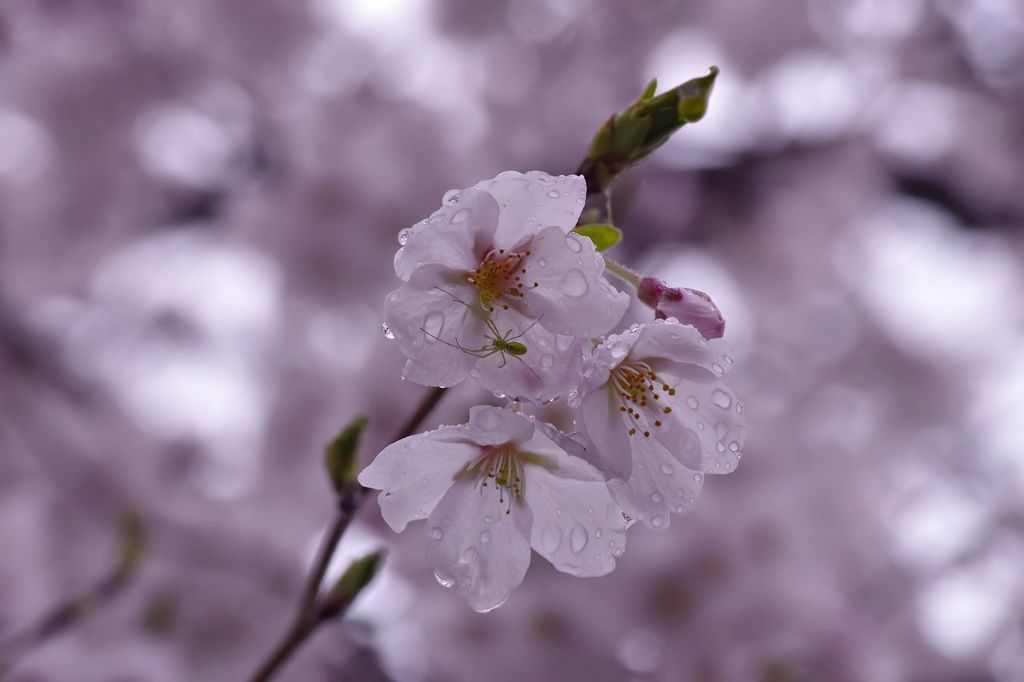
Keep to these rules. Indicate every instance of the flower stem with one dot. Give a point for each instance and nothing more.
(622, 271)
(309, 614)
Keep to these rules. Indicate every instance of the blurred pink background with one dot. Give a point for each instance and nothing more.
(199, 204)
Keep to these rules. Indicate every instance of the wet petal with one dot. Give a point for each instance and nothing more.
(489, 425)
(456, 235)
(601, 423)
(476, 547)
(532, 201)
(704, 408)
(414, 473)
(549, 367)
(571, 296)
(427, 303)
(577, 526)
(659, 486)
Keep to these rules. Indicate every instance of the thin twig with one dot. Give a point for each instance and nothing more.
(73, 610)
(310, 614)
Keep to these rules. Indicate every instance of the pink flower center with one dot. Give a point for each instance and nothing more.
(500, 278)
(637, 387)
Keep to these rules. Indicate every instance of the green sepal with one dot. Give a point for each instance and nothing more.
(356, 577)
(340, 455)
(603, 235)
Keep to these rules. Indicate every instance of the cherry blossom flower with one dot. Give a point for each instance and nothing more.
(657, 416)
(492, 489)
(501, 253)
(689, 306)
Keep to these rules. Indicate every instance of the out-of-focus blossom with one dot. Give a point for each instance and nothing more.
(501, 254)
(689, 306)
(657, 415)
(493, 488)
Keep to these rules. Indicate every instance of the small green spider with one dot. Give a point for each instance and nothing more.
(499, 343)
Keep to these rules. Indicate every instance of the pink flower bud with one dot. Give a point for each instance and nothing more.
(689, 306)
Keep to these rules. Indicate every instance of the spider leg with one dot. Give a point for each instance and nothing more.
(470, 351)
(532, 325)
(528, 367)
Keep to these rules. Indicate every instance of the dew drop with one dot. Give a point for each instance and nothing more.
(680, 509)
(547, 361)
(573, 243)
(451, 197)
(657, 522)
(470, 555)
(578, 539)
(551, 537)
(461, 216)
(717, 369)
(437, 533)
(558, 511)
(739, 407)
(692, 403)
(617, 551)
(598, 533)
(721, 399)
(554, 194)
(403, 236)
(488, 519)
(485, 537)
(698, 477)
(734, 446)
(666, 468)
(433, 323)
(443, 579)
(655, 497)
(574, 283)
(386, 331)
(542, 263)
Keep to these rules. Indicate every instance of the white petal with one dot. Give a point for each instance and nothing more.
(577, 526)
(476, 547)
(660, 485)
(415, 472)
(550, 367)
(705, 408)
(456, 236)
(601, 422)
(426, 304)
(571, 296)
(532, 201)
(490, 425)
(680, 343)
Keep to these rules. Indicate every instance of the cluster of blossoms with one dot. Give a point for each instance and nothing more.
(498, 288)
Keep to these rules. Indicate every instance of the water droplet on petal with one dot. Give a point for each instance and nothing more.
(578, 539)
(692, 403)
(551, 537)
(403, 236)
(542, 263)
(734, 446)
(573, 243)
(386, 331)
(443, 579)
(717, 369)
(558, 511)
(437, 533)
(470, 555)
(666, 468)
(485, 537)
(433, 323)
(461, 216)
(488, 519)
(698, 477)
(547, 361)
(655, 497)
(451, 197)
(489, 418)
(574, 283)
(554, 194)
(657, 522)
(721, 399)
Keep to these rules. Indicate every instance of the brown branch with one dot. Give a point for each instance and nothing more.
(311, 613)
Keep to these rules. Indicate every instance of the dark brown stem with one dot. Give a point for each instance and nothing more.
(310, 613)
